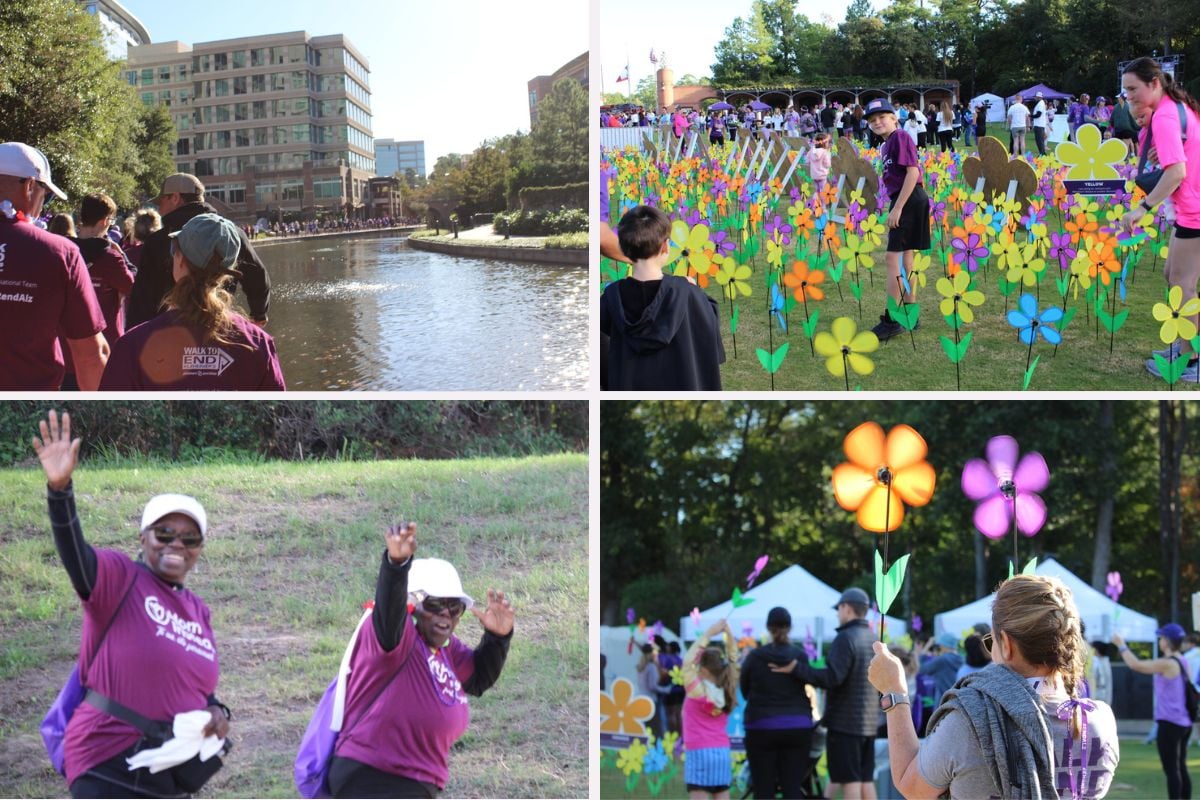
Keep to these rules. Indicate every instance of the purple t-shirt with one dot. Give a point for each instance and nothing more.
(899, 153)
(409, 729)
(45, 288)
(158, 658)
(163, 354)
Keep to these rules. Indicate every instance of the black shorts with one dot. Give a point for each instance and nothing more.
(714, 138)
(1186, 233)
(913, 231)
(851, 758)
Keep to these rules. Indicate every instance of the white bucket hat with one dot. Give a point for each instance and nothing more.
(435, 577)
(164, 504)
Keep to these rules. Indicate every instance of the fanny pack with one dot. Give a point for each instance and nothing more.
(1146, 181)
(191, 775)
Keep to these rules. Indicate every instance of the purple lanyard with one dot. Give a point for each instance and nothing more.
(1065, 710)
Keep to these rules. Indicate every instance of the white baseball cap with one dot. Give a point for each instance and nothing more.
(164, 504)
(22, 161)
(434, 577)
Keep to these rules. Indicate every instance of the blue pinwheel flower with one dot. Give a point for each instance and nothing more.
(754, 191)
(655, 759)
(1030, 323)
(777, 307)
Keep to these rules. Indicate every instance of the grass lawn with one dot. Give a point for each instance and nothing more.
(1139, 775)
(293, 553)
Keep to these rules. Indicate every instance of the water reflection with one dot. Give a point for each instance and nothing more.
(369, 313)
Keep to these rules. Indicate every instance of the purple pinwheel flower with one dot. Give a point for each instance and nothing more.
(917, 624)
(630, 617)
(720, 185)
(1060, 248)
(693, 217)
(747, 628)
(939, 212)
(1121, 197)
(1029, 322)
(794, 193)
(1004, 487)
(779, 228)
(758, 568)
(658, 628)
(1114, 587)
(969, 252)
(810, 647)
(724, 245)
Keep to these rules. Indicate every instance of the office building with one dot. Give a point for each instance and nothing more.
(277, 126)
(541, 86)
(392, 157)
(121, 29)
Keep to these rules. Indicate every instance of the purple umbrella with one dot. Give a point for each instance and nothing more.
(1007, 490)
(758, 105)
(721, 106)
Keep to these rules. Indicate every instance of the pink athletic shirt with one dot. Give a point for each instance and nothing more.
(1172, 150)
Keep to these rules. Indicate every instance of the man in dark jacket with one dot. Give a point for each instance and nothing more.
(182, 198)
(852, 705)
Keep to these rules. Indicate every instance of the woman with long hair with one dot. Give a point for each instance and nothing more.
(1001, 732)
(945, 129)
(1170, 709)
(779, 719)
(199, 342)
(711, 680)
(1153, 94)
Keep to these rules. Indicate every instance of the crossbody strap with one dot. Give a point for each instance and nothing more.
(384, 686)
(1183, 134)
(150, 727)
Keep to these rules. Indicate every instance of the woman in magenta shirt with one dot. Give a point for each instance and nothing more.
(406, 696)
(710, 678)
(1154, 94)
(147, 642)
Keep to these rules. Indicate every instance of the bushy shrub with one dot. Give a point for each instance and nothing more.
(541, 223)
(545, 198)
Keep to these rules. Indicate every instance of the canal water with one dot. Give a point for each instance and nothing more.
(368, 313)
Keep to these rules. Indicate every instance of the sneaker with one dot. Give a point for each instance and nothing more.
(886, 328)
(1170, 354)
(1190, 375)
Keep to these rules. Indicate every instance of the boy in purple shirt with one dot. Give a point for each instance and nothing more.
(908, 219)
(406, 695)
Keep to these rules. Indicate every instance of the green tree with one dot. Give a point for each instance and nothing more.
(744, 55)
(152, 141)
(559, 139)
(60, 92)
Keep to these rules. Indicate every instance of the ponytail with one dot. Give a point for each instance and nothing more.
(1147, 70)
(202, 301)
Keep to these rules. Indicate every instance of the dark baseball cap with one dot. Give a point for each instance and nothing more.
(1172, 630)
(854, 595)
(878, 106)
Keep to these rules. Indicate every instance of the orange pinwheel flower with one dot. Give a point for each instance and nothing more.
(621, 712)
(1105, 263)
(1082, 225)
(803, 222)
(805, 282)
(829, 193)
(882, 475)
(755, 214)
(721, 203)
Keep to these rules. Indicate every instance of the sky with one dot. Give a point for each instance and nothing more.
(450, 73)
(688, 32)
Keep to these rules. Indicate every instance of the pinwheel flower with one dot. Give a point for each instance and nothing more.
(959, 287)
(656, 759)
(1114, 587)
(916, 273)
(968, 250)
(1030, 322)
(754, 573)
(722, 244)
(805, 283)
(917, 624)
(632, 758)
(691, 246)
(856, 253)
(778, 228)
(1104, 261)
(844, 339)
(1090, 159)
(1023, 266)
(734, 278)
(1003, 487)
(882, 475)
(1061, 250)
(622, 712)
(1175, 318)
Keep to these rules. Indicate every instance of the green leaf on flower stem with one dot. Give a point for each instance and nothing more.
(772, 361)
(738, 599)
(1029, 373)
(906, 315)
(1006, 288)
(887, 585)
(789, 304)
(1170, 370)
(836, 272)
(733, 319)
(856, 288)
(949, 348)
(1068, 315)
(1119, 319)
(1063, 284)
(810, 327)
(1031, 567)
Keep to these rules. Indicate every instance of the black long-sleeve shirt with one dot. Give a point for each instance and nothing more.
(391, 615)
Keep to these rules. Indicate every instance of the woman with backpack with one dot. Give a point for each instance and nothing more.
(147, 656)
(1002, 731)
(1170, 703)
(406, 696)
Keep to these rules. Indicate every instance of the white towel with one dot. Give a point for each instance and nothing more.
(188, 740)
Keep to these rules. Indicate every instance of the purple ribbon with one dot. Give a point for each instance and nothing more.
(1064, 712)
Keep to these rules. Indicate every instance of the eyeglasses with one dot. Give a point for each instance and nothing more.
(451, 606)
(987, 641)
(165, 536)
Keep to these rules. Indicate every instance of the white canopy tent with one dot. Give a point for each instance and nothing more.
(996, 108)
(1096, 610)
(809, 600)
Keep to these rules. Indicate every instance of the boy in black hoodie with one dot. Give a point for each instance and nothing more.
(663, 330)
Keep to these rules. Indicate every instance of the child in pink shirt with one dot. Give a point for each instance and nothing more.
(710, 679)
(819, 161)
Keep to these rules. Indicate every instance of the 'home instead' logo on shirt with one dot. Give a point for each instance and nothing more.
(205, 361)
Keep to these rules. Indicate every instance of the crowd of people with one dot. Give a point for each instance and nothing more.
(324, 226)
(1000, 712)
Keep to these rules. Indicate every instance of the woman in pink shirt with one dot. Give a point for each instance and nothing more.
(711, 679)
(1154, 94)
(819, 161)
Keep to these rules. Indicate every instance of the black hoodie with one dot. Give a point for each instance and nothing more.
(673, 345)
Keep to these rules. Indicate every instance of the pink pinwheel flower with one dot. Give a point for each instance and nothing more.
(758, 568)
(1114, 587)
(695, 615)
(1005, 488)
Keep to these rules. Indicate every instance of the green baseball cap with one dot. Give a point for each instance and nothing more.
(206, 237)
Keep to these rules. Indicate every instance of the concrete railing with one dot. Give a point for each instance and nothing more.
(476, 249)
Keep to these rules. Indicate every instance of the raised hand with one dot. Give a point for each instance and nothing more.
(401, 541)
(498, 617)
(58, 454)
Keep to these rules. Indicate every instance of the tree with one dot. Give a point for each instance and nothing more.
(559, 139)
(155, 135)
(60, 93)
(744, 55)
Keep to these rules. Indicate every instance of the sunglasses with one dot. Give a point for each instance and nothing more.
(165, 536)
(987, 641)
(451, 606)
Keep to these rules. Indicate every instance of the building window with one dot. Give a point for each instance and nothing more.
(164, 74)
(239, 85)
(220, 61)
(183, 146)
(147, 98)
(201, 63)
(222, 113)
(241, 112)
(181, 72)
(131, 76)
(221, 87)
(241, 138)
(259, 109)
(148, 76)
(292, 191)
(262, 137)
(164, 98)
(259, 56)
(239, 59)
(258, 83)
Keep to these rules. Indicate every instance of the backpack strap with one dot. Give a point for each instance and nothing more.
(337, 721)
(113, 618)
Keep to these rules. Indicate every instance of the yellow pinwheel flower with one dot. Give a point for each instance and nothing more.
(691, 246)
(630, 759)
(856, 253)
(843, 344)
(959, 287)
(1081, 268)
(1023, 266)
(1091, 159)
(1175, 317)
(873, 230)
(1086, 205)
(733, 278)
(774, 253)
(916, 274)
